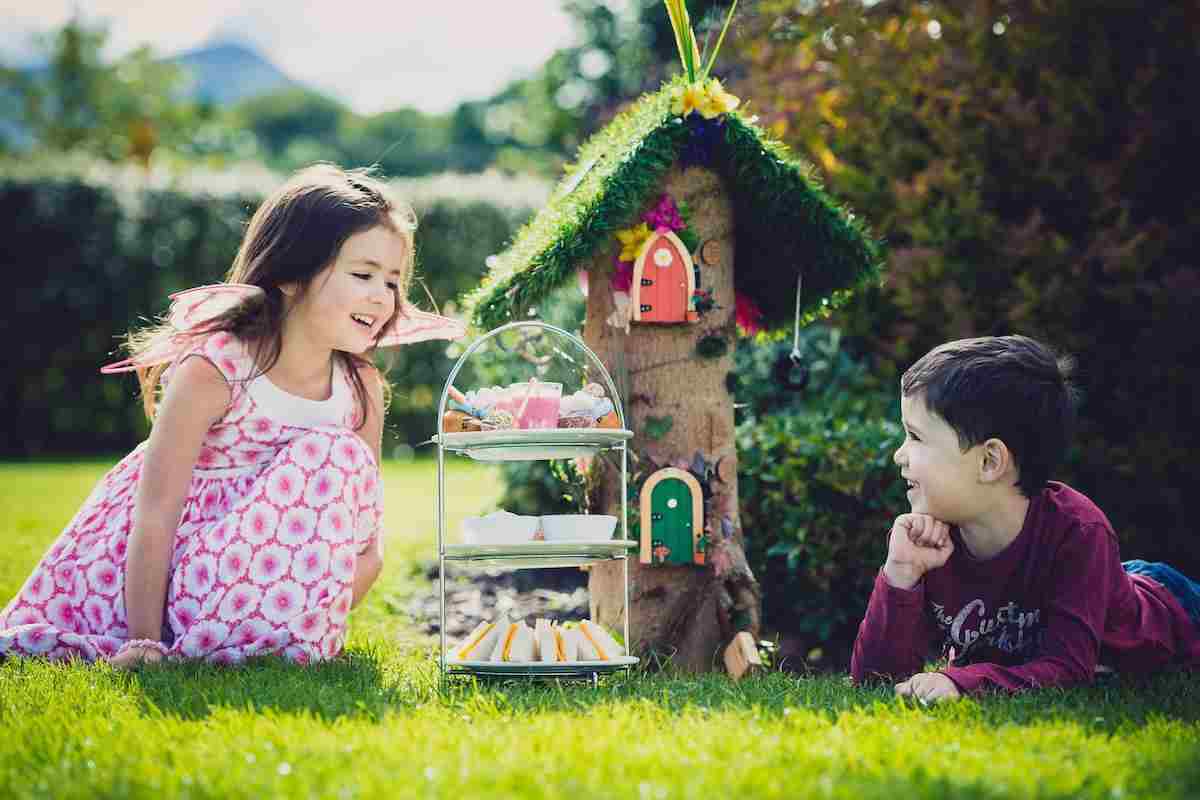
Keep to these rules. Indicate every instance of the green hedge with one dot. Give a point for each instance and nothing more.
(1028, 175)
(92, 258)
(817, 485)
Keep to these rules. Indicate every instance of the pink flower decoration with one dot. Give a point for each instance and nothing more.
(622, 277)
(664, 214)
(748, 314)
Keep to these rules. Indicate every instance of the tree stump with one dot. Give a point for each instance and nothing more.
(685, 613)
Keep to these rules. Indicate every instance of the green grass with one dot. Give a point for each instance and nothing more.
(374, 723)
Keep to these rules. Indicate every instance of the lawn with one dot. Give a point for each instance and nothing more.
(374, 723)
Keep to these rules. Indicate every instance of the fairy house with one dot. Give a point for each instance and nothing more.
(690, 224)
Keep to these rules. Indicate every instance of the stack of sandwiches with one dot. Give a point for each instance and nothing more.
(546, 642)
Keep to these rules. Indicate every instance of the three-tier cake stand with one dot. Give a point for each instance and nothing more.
(532, 445)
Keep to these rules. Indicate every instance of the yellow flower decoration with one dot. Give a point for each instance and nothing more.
(632, 240)
(686, 99)
(709, 98)
(716, 101)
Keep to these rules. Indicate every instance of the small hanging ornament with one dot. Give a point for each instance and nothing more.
(790, 371)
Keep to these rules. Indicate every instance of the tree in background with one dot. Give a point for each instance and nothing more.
(119, 110)
(1026, 161)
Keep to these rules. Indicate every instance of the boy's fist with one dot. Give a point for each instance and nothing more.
(917, 544)
(928, 687)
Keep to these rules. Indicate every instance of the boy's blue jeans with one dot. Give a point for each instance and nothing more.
(1186, 590)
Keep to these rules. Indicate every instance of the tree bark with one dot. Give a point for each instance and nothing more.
(684, 613)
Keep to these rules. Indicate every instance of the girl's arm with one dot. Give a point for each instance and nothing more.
(195, 398)
(370, 562)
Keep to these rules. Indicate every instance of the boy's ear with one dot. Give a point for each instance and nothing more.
(289, 289)
(997, 461)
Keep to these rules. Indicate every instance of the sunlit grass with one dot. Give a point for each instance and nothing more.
(375, 723)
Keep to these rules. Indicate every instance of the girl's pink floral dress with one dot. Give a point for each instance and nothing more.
(284, 496)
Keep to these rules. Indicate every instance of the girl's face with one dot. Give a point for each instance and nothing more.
(349, 302)
(942, 479)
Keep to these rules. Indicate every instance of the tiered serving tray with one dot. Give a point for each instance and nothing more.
(576, 669)
(532, 445)
(539, 554)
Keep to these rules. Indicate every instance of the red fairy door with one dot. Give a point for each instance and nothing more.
(662, 280)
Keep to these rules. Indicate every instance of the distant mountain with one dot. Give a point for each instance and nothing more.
(228, 72)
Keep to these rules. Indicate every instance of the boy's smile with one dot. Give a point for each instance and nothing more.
(941, 477)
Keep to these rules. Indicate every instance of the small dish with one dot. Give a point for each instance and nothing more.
(499, 527)
(578, 527)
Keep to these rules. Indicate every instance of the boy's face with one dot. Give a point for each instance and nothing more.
(942, 479)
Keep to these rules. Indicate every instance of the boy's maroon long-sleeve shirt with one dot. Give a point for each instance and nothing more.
(1043, 612)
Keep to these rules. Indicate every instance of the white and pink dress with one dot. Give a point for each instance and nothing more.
(283, 498)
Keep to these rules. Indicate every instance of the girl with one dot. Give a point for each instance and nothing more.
(248, 522)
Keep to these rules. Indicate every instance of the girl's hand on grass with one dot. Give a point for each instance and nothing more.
(135, 657)
(917, 544)
(928, 687)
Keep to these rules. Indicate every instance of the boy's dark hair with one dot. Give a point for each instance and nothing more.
(1012, 388)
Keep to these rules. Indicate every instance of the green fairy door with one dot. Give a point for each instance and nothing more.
(671, 519)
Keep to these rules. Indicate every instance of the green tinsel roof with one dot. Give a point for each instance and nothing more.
(785, 222)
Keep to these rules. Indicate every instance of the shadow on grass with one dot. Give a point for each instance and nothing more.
(1100, 707)
(352, 686)
(368, 684)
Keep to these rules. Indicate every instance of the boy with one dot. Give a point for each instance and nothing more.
(1020, 576)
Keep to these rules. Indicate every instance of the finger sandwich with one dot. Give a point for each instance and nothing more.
(479, 644)
(515, 643)
(597, 644)
(554, 644)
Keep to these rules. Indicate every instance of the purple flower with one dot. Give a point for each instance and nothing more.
(622, 277)
(664, 214)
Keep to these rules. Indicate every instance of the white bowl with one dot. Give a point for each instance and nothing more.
(499, 527)
(578, 527)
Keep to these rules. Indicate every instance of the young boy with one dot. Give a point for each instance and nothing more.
(1019, 576)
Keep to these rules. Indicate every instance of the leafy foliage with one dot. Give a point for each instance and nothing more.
(118, 110)
(1024, 161)
(818, 489)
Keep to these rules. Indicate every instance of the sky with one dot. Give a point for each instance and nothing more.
(373, 55)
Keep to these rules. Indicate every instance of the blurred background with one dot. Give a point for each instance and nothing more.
(1024, 161)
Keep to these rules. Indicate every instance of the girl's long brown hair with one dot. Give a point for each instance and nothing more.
(292, 237)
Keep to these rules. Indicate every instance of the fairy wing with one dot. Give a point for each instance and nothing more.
(413, 325)
(189, 309)
(193, 307)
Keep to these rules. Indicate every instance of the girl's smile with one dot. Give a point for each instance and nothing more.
(349, 303)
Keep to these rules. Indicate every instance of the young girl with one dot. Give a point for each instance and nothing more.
(248, 523)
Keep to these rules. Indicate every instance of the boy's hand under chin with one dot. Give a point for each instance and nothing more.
(928, 687)
(917, 544)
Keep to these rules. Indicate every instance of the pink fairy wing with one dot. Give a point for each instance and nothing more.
(192, 307)
(413, 325)
(189, 308)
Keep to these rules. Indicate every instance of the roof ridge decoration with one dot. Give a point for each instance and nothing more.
(786, 224)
